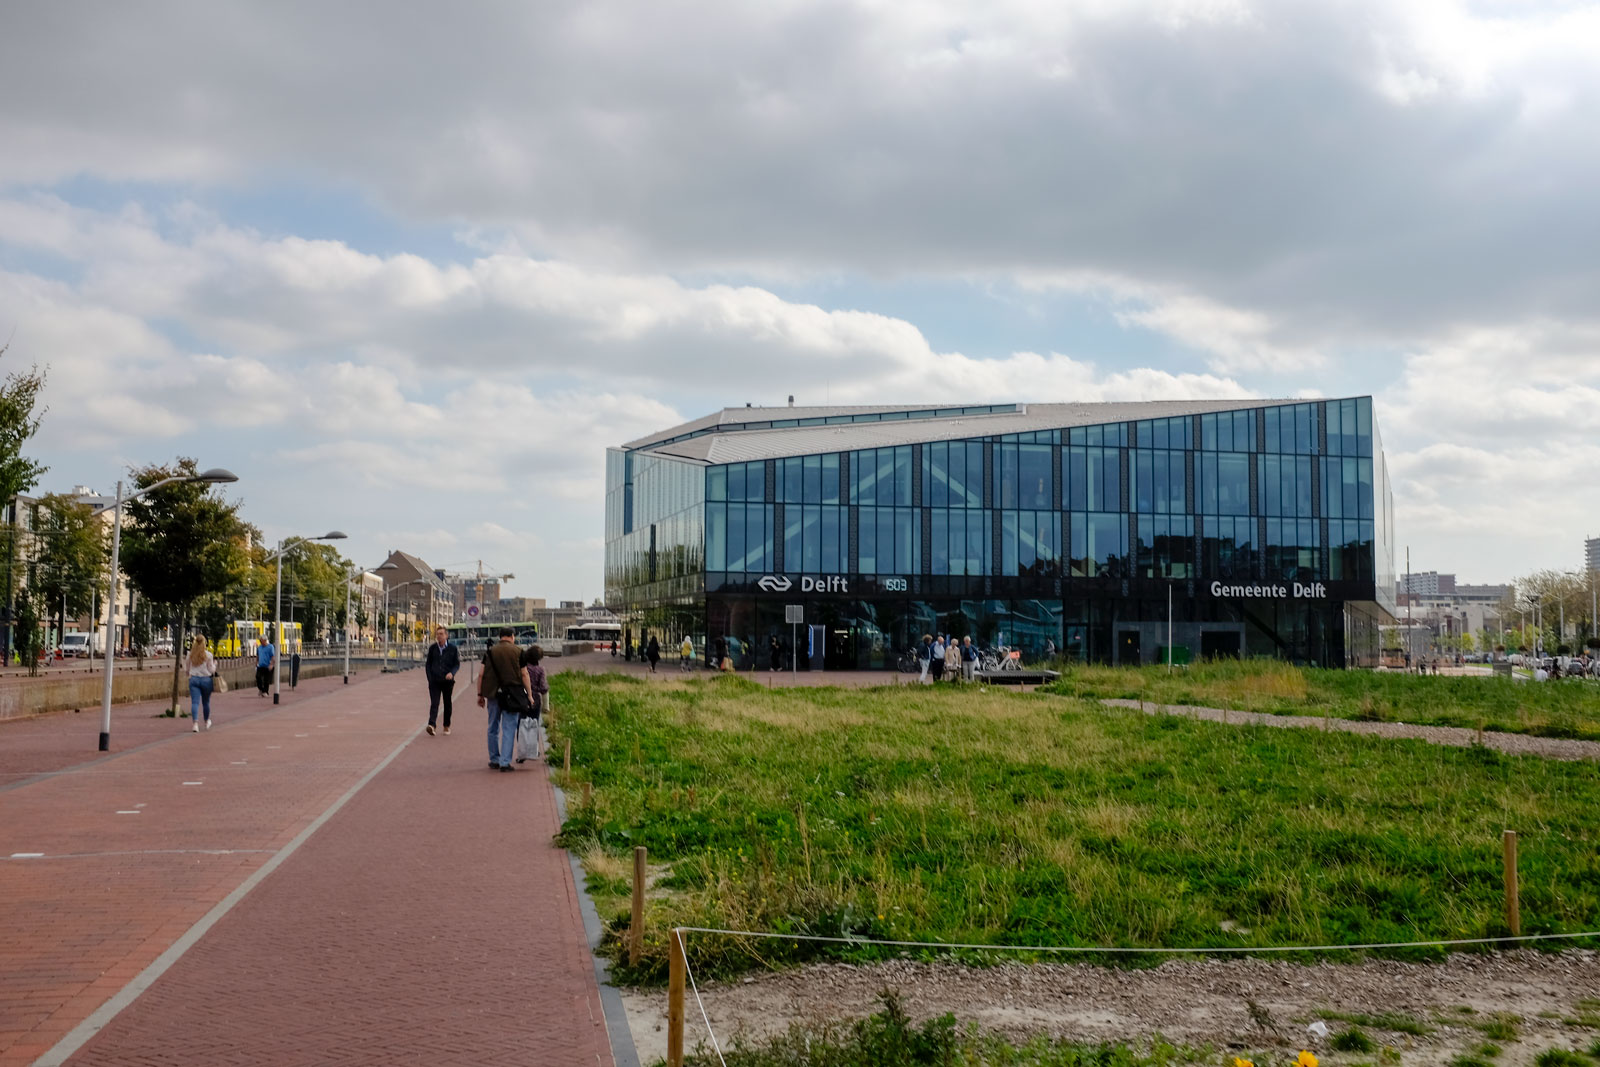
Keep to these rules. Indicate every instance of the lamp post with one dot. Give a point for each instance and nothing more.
(349, 578)
(214, 476)
(277, 611)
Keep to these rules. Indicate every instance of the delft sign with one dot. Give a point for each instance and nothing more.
(821, 583)
(1294, 590)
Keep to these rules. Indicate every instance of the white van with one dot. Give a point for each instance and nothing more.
(79, 644)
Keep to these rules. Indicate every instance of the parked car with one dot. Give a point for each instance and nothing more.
(79, 645)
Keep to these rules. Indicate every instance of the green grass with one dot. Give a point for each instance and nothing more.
(1560, 1057)
(1504, 1026)
(1392, 1021)
(1352, 1040)
(1277, 688)
(889, 1038)
(1004, 818)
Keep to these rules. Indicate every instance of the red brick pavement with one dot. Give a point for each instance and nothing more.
(41, 744)
(428, 921)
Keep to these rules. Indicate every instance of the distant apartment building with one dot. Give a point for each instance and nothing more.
(469, 591)
(1591, 554)
(1428, 584)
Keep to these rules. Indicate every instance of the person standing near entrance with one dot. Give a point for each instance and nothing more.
(444, 660)
(775, 655)
(686, 653)
(266, 655)
(502, 666)
(969, 660)
(925, 656)
(653, 653)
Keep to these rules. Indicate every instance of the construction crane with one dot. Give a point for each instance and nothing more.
(476, 580)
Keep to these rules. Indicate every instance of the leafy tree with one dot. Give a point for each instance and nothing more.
(181, 543)
(20, 416)
(29, 641)
(72, 557)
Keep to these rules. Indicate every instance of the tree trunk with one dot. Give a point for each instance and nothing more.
(177, 654)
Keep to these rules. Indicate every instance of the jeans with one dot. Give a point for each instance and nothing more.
(502, 735)
(199, 694)
(436, 690)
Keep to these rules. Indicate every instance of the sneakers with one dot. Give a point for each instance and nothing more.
(208, 724)
(196, 729)
(447, 731)
(430, 729)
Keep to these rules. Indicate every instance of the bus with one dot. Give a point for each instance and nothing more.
(598, 632)
(246, 635)
(478, 634)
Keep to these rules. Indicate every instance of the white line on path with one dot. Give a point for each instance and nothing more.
(134, 812)
(79, 1035)
(26, 855)
(194, 783)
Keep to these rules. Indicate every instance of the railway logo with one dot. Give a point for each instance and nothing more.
(773, 583)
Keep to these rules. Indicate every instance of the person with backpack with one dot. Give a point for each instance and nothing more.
(501, 689)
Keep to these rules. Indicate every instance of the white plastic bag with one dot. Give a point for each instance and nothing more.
(530, 738)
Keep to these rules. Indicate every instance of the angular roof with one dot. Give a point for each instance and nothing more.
(741, 445)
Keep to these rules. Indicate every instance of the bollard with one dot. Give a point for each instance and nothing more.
(676, 965)
(566, 757)
(636, 929)
(1513, 904)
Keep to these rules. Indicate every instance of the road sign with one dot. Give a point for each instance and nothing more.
(472, 611)
(794, 613)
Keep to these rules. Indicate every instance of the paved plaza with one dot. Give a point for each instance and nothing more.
(318, 883)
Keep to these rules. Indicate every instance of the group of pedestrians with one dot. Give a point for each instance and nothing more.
(942, 656)
(516, 692)
(204, 678)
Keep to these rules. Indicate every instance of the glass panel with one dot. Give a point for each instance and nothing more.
(811, 535)
(902, 475)
(1144, 481)
(1008, 542)
(830, 478)
(885, 483)
(1233, 483)
(1036, 488)
(716, 537)
(867, 541)
(717, 483)
(939, 524)
(735, 537)
(956, 523)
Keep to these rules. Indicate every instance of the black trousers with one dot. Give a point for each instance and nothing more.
(263, 678)
(435, 691)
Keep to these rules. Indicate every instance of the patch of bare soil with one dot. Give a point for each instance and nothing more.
(1547, 999)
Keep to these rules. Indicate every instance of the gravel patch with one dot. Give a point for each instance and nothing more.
(1512, 744)
(1191, 1001)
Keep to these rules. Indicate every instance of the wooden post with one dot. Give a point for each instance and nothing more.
(588, 794)
(636, 929)
(1513, 904)
(566, 757)
(676, 966)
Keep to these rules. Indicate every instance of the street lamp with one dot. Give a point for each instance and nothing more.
(214, 476)
(348, 578)
(277, 611)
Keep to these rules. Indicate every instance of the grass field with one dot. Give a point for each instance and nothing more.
(996, 817)
(1558, 709)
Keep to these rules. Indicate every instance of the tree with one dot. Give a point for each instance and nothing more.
(28, 639)
(20, 416)
(72, 557)
(180, 543)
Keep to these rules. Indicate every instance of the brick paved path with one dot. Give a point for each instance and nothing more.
(41, 744)
(428, 921)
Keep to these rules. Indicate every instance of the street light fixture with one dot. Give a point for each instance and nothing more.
(348, 578)
(214, 476)
(277, 611)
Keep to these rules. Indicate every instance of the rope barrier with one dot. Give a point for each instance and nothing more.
(1221, 949)
(862, 941)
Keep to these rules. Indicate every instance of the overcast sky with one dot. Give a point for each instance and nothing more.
(409, 268)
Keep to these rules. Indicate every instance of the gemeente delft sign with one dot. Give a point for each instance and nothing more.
(1271, 591)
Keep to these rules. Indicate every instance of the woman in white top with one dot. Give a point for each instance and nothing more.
(202, 669)
(952, 659)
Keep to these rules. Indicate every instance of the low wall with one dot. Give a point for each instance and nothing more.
(38, 696)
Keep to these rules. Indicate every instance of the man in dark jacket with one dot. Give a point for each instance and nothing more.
(502, 666)
(443, 663)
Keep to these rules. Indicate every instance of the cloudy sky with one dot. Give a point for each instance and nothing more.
(409, 268)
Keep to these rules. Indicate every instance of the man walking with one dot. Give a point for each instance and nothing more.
(266, 655)
(443, 663)
(502, 666)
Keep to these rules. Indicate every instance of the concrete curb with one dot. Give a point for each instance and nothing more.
(623, 1051)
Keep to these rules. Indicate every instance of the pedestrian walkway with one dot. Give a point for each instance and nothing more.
(318, 884)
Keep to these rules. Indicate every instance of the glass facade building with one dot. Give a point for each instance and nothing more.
(1248, 528)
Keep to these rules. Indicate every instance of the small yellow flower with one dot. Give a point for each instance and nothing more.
(1237, 1062)
(1305, 1059)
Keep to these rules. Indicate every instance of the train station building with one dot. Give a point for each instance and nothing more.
(1254, 528)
